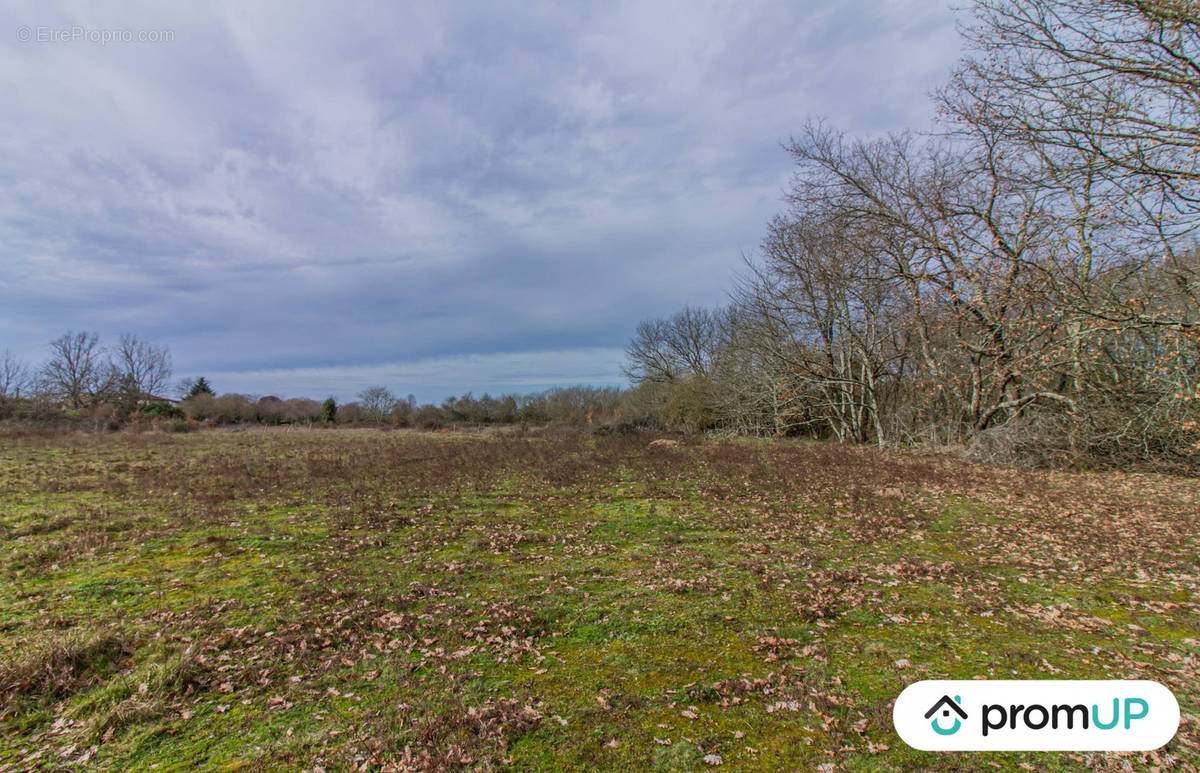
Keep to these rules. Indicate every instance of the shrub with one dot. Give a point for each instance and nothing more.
(199, 407)
(351, 413)
(427, 417)
(300, 409)
(161, 411)
(270, 410)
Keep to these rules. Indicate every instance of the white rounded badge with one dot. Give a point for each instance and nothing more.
(1036, 715)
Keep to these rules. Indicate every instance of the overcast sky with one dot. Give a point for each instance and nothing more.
(307, 199)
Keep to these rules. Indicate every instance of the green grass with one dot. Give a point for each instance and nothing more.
(287, 600)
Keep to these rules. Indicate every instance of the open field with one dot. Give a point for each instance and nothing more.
(288, 600)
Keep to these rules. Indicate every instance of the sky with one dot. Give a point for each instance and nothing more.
(307, 199)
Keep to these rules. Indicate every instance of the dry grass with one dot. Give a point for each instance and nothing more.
(59, 666)
(399, 600)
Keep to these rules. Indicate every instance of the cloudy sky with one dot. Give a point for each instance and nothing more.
(307, 199)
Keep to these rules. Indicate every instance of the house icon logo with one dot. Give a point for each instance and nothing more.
(945, 705)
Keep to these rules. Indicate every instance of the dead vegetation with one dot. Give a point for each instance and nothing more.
(59, 666)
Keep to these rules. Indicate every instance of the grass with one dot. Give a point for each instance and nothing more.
(392, 601)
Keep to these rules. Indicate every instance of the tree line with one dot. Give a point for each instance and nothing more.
(378, 406)
(130, 383)
(1023, 279)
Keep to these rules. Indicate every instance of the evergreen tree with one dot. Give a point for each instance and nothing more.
(201, 387)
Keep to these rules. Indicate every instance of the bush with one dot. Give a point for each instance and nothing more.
(691, 404)
(199, 407)
(300, 409)
(226, 409)
(234, 409)
(401, 415)
(270, 410)
(1033, 441)
(428, 417)
(161, 411)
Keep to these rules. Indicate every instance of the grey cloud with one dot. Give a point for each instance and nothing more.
(307, 190)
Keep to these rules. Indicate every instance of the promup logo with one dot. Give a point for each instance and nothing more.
(948, 704)
(1051, 715)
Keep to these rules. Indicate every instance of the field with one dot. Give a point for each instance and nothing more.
(393, 600)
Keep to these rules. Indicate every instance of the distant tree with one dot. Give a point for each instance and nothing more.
(14, 379)
(329, 410)
(144, 367)
(78, 374)
(270, 409)
(300, 409)
(199, 387)
(376, 403)
(200, 407)
(578, 405)
(226, 409)
(351, 413)
(428, 416)
(14, 376)
(234, 409)
(505, 410)
(127, 395)
(402, 411)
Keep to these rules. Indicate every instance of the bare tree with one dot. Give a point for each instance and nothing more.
(1096, 106)
(1102, 100)
(15, 377)
(836, 310)
(669, 349)
(1026, 276)
(751, 376)
(376, 403)
(961, 235)
(1057, 68)
(78, 374)
(144, 368)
